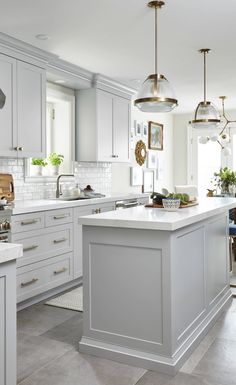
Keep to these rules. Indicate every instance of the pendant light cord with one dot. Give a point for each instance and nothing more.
(156, 40)
(205, 77)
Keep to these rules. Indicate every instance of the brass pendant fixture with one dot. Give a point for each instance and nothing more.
(156, 94)
(206, 113)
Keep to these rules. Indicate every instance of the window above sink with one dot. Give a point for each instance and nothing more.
(60, 133)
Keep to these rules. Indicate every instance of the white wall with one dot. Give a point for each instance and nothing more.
(180, 138)
(180, 124)
(121, 171)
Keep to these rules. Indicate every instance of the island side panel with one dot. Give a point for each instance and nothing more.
(200, 279)
(8, 323)
(127, 288)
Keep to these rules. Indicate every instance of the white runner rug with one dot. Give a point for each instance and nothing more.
(71, 300)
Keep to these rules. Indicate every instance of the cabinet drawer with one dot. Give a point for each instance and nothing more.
(95, 209)
(27, 222)
(39, 277)
(58, 217)
(44, 244)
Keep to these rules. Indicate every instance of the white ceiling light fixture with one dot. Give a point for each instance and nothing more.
(223, 138)
(42, 36)
(59, 81)
(156, 93)
(206, 114)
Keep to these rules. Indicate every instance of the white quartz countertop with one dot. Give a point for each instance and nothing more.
(159, 219)
(10, 251)
(30, 206)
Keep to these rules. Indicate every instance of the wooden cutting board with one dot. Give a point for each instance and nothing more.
(153, 205)
(7, 187)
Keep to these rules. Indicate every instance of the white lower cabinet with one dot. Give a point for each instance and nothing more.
(36, 278)
(52, 247)
(8, 323)
(78, 247)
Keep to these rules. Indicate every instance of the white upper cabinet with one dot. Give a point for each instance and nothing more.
(7, 113)
(22, 119)
(31, 104)
(102, 126)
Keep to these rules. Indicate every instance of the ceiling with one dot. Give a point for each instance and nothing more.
(115, 38)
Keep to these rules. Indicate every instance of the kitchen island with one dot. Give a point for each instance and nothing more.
(154, 282)
(8, 255)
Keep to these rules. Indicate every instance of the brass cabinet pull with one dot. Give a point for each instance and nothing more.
(29, 222)
(96, 211)
(56, 272)
(20, 148)
(60, 240)
(15, 148)
(30, 248)
(23, 284)
(60, 216)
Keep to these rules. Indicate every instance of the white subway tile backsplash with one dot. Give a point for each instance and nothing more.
(98, 175)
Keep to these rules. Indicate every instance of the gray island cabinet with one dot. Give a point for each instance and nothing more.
(8, 255)
(154, 282)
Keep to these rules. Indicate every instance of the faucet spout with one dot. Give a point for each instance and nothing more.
(58, 183)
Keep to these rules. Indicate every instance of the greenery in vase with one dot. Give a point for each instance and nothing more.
(224, 179)
(55, 159)
(38, 162)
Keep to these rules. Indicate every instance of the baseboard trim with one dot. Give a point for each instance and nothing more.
(49, 294)
(168, 365)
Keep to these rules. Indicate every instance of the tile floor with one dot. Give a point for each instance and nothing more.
(47, 354)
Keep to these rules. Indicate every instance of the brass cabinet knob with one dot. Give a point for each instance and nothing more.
(20, 148)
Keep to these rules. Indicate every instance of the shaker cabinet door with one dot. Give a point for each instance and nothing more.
(104, 126)
(8, 111)
(31, 100)
(121, 128)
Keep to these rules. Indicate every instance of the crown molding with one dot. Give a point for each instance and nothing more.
(107, 84)
(20, 47)
(70, 69)
(51, 62)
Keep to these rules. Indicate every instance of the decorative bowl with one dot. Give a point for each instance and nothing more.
(171, 204)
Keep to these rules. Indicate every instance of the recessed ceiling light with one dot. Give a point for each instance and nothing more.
(59, 81)
(42, 36)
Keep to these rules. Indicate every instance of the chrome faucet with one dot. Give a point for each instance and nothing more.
(58, 193)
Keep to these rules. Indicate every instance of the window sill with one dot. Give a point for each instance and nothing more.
(45, 179)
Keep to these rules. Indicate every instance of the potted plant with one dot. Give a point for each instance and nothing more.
(225, 179)
(55, 161)
(38, 165)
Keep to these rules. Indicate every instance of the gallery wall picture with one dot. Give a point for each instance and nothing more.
(136, 176)
(148, 181)
(145, 129)
(152, 159)
(155, 136)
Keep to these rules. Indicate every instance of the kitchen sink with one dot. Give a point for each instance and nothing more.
(80, 198)
(72, 198)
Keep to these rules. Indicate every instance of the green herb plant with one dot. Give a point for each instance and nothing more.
(224, 179)
(55, 159)
(39, 162)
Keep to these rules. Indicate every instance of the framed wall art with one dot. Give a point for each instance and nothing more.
(148, 181)
(155, 136)
(145, 130)
(136, 176)
(152, 159)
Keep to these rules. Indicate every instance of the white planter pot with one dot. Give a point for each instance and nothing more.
(37, 170)
(54, 170)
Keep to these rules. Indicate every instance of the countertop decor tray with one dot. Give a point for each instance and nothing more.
(156, 206)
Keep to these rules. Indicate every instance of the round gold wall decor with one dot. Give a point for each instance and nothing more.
(140, 152)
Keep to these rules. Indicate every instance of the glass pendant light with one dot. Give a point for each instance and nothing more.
(206, 114)
(156, 94)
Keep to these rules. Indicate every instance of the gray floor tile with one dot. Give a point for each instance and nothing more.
(225, 327)
(69, 331)
(218, 366)
(153, 378)
(74, 368)
(36, 351)
(37, 319)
